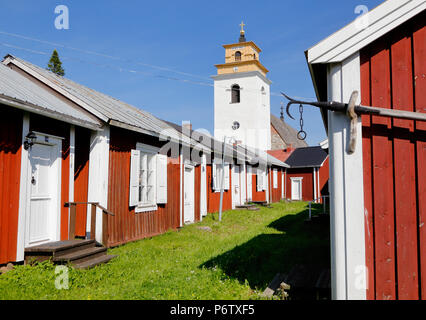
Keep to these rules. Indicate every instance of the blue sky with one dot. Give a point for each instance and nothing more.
(172, 47)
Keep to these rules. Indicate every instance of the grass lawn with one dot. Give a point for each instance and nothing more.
(236, 260)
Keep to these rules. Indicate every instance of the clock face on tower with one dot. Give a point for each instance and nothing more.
(235, 125)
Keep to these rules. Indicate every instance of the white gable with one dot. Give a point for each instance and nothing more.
(352, 38)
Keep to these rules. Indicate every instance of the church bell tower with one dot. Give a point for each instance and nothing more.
(242, 96)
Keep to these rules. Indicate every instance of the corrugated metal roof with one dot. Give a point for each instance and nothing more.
(17, 89)
(241, 152)
(113, 109)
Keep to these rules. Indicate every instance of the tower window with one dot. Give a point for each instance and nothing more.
(254, 56)
(238, 56)
(235, 93)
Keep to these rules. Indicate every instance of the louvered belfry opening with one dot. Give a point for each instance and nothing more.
(235, 93)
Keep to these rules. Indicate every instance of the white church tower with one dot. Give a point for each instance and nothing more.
(242, 96)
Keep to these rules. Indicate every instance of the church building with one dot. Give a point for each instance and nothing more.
(242, 109)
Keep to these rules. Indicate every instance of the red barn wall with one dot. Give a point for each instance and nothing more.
(213, 198)
(10, 172)
(257, 195)
(275, 193)
(127, 225)
(393, 76)
(81, 177)
(307, 182)
(61, 129)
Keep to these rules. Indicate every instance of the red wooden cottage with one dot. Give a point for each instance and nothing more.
(378, 237)
(306, 178)
(76, 162)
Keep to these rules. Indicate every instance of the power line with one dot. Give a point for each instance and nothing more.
(90, 52)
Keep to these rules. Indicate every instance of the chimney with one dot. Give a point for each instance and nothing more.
(186, 125)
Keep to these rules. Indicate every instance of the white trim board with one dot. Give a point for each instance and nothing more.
(347, 233)
(350, 39)
(98, 177)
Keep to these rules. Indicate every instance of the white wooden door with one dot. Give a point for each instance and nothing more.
(249, 184)
(296, 189)
(43, 192)
(188, 195)
(236, 188)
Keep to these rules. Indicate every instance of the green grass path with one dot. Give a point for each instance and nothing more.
(236, 260)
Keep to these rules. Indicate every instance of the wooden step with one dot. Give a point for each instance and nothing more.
(81, 255)
(94, 262)
(56, 249)
(245, 206)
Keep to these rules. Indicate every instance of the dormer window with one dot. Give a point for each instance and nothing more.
(238, 56)
(235, 93)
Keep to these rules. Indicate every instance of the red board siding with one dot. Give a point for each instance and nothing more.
(81, 177)
(307, 183)
(59, 129)
(10, 172)
(213, 198)
(419, 62)
(127, 225)
(393, 162)
(257, 195)
(276, 193)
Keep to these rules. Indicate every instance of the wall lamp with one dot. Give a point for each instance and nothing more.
(29, 140)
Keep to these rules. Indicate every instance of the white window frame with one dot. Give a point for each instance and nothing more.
(216, 175)
(275, 177)
(148, 150)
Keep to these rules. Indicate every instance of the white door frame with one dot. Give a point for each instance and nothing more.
(299, 179)
(185, 184)
(203, 187)
(234, 182)
(55, 232)
(249, 182)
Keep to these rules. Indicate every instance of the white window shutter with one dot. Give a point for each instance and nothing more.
(134, 177)
(265, 179)
(226, 183)
(214, 177)
(275, 178)
(161, 178)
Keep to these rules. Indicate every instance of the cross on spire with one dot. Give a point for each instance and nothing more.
(242, 27)
(242, 33)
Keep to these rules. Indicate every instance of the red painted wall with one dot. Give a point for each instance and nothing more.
(257, 195)
(307, 183)
(10, 172)
(275, 193)
(393, 76)
(127, 225)
(213, 198)
(81, 177)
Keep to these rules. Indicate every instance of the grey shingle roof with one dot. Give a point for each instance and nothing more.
(287, 133)
(307, 157)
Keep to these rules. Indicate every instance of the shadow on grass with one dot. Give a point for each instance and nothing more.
(261, 258)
